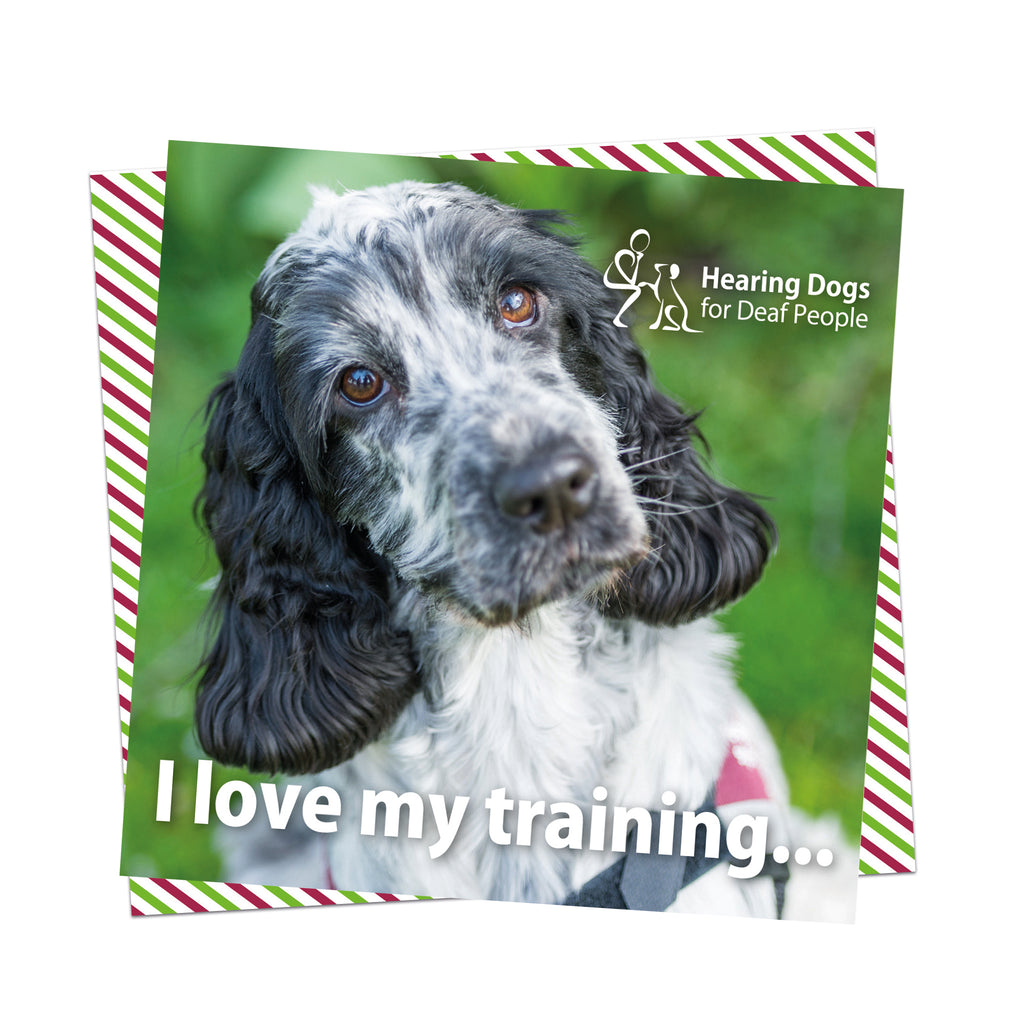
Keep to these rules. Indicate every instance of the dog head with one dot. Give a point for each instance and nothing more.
(433, 396)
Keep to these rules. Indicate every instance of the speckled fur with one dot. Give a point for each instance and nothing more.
(381, 624)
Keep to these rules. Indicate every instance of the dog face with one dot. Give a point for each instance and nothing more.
(433, 396)
(423, 356)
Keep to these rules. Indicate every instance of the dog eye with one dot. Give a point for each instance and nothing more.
(361, 385)
(518, 306)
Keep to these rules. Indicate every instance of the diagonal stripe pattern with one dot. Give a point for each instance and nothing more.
(887, 825)
(127, 219)
(127, 213)
(829, 158)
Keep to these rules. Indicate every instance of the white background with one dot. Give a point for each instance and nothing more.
(103, 86)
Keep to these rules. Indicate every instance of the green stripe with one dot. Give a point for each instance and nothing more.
(711, 147)
(124, 272)
(126, 375)
(850, 148)
(120, 624)
(891, 836)
(518, 157)
(124, 675)
(148, 897)
(880, 676)
(895, 740)
(866, 869)
(447, 156)
(141, 183)
(588, 157)
(138, 332)
(119, 471)
(122, 575)
(886, 581)
(283, 896)
(124, 728)
(424, 897)
(889, 532)
(220, 900)
(119, 420)
(127, 224)
(887, 783)
(890, 634)
(352, 897)
(122, 524)
(781, 147)
(652, 154)
(889, 482)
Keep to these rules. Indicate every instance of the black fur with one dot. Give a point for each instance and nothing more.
(305, 668)
(704, 559)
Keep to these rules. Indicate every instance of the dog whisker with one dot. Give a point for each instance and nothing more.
(676, 508)
(657, 458)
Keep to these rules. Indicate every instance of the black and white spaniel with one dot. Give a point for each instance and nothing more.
(466, 545)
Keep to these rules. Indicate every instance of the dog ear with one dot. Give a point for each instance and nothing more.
(305, 667)
(709, 542)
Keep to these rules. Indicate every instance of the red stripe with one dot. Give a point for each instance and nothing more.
(136, 912)
(888, 457)
(127, 602)
(129, 200)
(248, 894)
(482, 156)
(553, 157)
(890, 608)
(136, 407)
(868, 137)
(387, 897)
(866, 844)
(627, 161)
(875, 799)
(121, 244)
(769, 165)
(125, 653)
(124, 348)
(891, 761)
(125, 703)
(825, 155)
(146, 314)
(124, 500)
(678, 147)
(121, 447)
(317, 895)
(178, 894)
(889, 506)
(162, 175)
(889, 557)
(887, 657)
(123, 549)
(892, 712)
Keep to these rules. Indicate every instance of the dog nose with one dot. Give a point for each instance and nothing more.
(548, 493)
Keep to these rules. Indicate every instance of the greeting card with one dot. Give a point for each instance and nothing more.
(537, 550)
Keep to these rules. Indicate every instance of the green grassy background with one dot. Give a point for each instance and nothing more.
(797, 414)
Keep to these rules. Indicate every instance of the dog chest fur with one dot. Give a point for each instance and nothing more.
(547, 710)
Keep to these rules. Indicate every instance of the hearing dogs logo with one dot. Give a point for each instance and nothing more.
(672, 311)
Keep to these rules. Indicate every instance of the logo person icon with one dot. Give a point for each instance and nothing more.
(672, 311)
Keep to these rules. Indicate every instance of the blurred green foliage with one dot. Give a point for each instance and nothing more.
(796, 414)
